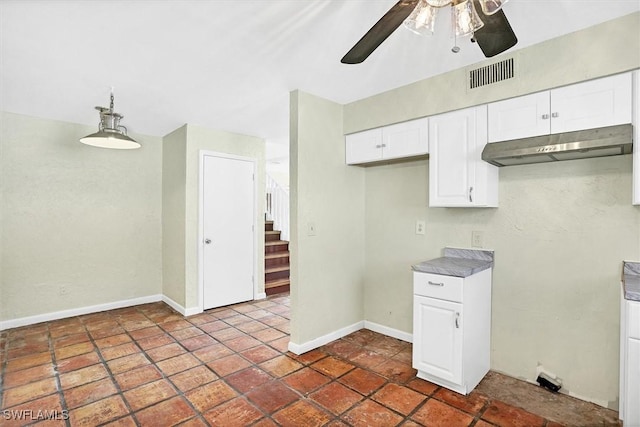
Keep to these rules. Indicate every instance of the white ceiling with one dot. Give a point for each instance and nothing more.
(230, 64)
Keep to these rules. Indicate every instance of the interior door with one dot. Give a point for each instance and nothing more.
(228, 230)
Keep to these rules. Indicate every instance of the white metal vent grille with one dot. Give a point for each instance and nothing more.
(492, 73)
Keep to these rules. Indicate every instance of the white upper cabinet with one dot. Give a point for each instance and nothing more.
(596, 103)
(458, 177)
(397, 141)
(364, 146)
(519, 117)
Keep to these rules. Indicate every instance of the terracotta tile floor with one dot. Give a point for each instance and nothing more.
(149, 366)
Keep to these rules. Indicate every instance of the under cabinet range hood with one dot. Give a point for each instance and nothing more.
(583, 144)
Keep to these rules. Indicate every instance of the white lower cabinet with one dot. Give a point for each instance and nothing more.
(630, 363)
(452, 329)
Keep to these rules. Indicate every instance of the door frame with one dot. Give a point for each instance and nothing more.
(201, 157)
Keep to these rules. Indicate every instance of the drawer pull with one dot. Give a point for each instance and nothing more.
(457, 320)
(435, 283)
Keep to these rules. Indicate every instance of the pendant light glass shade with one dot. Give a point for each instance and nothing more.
(438, 3)
(489, 7)
(110, 133)
(465, 19)
(423, 18)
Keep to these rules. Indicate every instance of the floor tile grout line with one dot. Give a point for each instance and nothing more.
(5, 360)
(56, 375)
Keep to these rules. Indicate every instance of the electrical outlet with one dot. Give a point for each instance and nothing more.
(476, 239)
(420, 226)
(63, 290)
(311, 229)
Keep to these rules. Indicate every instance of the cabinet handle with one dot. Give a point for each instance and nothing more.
(471, 194)
(378, 146)
(555, 115)
(545, 117)
(384, 145)
(457, 320)
(435, 283)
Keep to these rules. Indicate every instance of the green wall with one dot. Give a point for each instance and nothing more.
(326, 268)
(81, 226)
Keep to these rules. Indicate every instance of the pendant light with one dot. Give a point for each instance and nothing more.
(111, 134)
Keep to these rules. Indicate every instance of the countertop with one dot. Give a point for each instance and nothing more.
(631, 280)
(458, 262)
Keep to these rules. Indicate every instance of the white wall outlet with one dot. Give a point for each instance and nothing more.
(420, 226)
(311, 229)
(476, 239)
(63, 290)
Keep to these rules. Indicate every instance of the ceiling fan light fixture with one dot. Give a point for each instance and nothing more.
(111, 134)
(465, 18)
(489, 7)
(423, 18)
(438, 3)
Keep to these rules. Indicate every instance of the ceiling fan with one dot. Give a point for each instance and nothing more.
(484, 19)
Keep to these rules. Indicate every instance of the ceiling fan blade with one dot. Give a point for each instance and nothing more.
(496, 35)
(379, 32)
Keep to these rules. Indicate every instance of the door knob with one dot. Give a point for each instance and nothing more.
(207, 241)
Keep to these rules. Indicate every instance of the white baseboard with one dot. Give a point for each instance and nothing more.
(179, 308)
(325, 339)
(391, 332)
(262, 295)
(46, 317)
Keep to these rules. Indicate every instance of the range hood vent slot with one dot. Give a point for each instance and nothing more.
(583, 144)
(492, 73)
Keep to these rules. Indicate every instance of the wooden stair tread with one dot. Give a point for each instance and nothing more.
(275, 242)
(272, 232)
(273, 255)
(276, 283)
(276, 269)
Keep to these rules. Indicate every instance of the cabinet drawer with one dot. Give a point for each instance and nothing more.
(633, 316)
(438, 286)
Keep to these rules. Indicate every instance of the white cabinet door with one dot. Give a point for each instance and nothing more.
(588, 105)
(437, 338)
(592, 104)
(632, 384)
(450, 137)
(519, 117)
(458, 177)
(405, 139)
(363, 147)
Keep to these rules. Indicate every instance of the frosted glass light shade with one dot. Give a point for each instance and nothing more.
(489, 7)
(110, 139)
(423, 18)
(465, 19)
(438, 3)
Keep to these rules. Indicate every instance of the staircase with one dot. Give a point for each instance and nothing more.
(276, 261)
